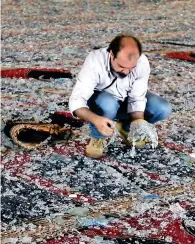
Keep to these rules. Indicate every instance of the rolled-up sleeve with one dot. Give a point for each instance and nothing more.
(87, 80)
(137, 95)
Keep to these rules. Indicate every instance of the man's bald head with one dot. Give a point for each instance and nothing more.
(124, 41)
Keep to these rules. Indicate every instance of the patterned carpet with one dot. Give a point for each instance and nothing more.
(55, 194)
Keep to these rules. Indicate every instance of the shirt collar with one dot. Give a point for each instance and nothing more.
(108, 62)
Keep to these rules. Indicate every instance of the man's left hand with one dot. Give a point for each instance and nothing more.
(141, 130)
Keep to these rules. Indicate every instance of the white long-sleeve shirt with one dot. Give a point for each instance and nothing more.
(95, 74)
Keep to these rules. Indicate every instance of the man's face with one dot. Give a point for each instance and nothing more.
(125, 61)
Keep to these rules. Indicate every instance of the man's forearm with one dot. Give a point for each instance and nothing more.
(136, 115)
(86, 114)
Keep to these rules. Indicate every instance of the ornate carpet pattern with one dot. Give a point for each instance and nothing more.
(55, 194)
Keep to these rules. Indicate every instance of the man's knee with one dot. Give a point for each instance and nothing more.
(157, 108)
(107, 103)
(165, 109)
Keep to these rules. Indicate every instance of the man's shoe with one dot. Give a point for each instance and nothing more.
(95, 148)
(124, 135)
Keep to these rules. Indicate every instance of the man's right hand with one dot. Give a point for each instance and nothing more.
(104, 125)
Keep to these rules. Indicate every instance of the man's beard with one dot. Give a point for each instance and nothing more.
(121, 75)
(118, 74)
